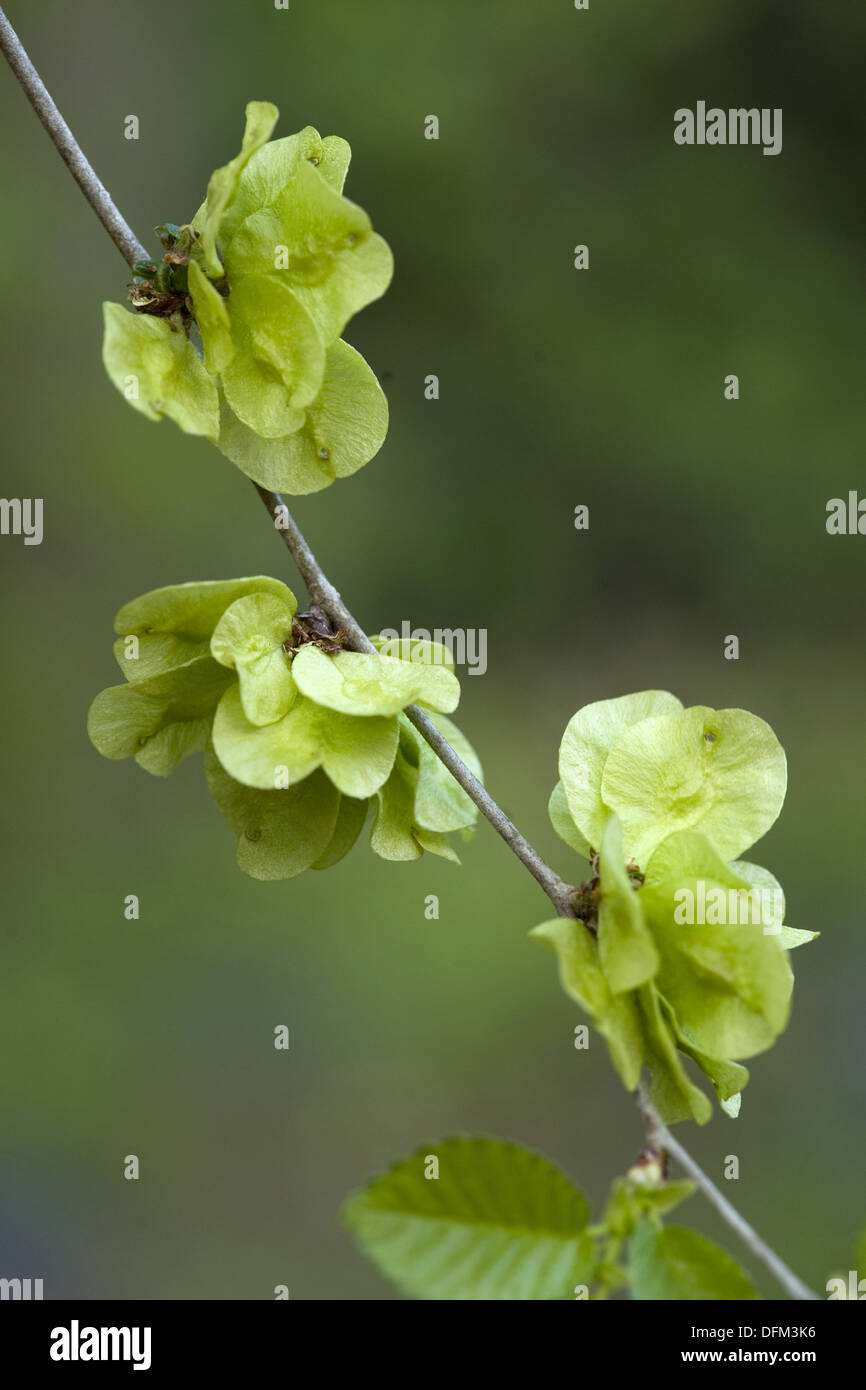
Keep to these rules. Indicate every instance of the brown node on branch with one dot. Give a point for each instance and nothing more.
(145, 298)
(585, 901)
(161, 287)
(650, 1168)
(314, 628)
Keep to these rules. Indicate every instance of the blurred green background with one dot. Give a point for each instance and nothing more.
(557, 388)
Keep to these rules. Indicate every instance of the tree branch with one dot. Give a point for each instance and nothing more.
(322, 592)
(658, 1134)
(70, 151)
(660, 1137)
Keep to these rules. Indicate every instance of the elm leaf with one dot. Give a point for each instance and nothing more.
(498, 1223)
(630, 1199)
(659, 1200)
(675, 1263)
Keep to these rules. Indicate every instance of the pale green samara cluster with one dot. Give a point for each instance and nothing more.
(663, 800)
(236, 334)
(303, 740)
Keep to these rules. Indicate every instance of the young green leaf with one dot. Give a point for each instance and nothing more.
(630, 1199)
(497, 1222)
(676, 1263)
(659, 1200)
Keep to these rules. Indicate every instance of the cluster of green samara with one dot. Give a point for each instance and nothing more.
(672, 950)
(663, 801)
(301, 737)
(235, 333)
